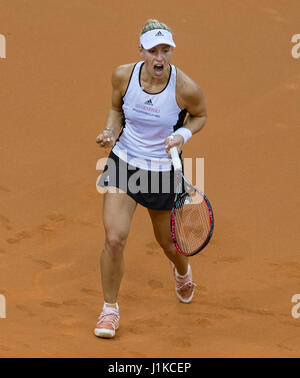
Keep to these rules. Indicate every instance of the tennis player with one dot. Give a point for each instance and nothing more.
(155, 106)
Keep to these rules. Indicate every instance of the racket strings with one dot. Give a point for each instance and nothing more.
(192, 222)
(180, 230)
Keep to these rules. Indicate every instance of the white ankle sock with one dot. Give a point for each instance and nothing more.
(184, 276)
(113, 306)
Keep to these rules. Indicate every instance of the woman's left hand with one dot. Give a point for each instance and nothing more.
(174, 141)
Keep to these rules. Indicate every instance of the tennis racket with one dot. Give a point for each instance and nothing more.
(192, 220)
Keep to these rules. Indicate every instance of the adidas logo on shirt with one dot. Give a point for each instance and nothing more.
(159, 34)
(149, 102)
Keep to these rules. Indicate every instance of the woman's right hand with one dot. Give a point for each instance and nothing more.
(106, 139)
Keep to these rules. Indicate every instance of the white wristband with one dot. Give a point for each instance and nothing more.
(184, 132)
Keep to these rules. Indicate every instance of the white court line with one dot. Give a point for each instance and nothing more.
(2, 47)
(2, 307)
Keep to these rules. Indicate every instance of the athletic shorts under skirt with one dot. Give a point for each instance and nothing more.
(151, 189)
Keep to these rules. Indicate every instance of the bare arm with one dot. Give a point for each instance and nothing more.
(115, 118)
(196, 107)
(190, 97)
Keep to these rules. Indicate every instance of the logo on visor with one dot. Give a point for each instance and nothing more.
(149, 102)
(159, 34)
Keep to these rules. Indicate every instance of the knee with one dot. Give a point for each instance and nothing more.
(115, 242)
(170, 250)
(168, 247)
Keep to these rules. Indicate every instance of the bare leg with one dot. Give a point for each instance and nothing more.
(118, 209)
(161, 226)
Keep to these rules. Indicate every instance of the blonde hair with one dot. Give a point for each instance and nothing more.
(154, 24)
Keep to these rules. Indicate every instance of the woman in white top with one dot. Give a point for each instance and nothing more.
(150, 101)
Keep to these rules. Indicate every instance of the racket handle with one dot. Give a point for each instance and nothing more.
(175, 159)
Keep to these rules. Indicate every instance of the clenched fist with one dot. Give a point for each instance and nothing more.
(106, 139)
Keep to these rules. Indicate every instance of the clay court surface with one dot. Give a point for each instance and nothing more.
(55, 93)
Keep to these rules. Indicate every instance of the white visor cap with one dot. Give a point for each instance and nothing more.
(156, 37)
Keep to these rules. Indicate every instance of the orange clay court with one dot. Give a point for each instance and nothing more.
(55, 92)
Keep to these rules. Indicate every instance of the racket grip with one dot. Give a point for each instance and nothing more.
(175, 159)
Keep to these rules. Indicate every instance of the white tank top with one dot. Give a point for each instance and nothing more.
(149, 119)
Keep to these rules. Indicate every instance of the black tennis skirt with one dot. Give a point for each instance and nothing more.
(151, 189)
